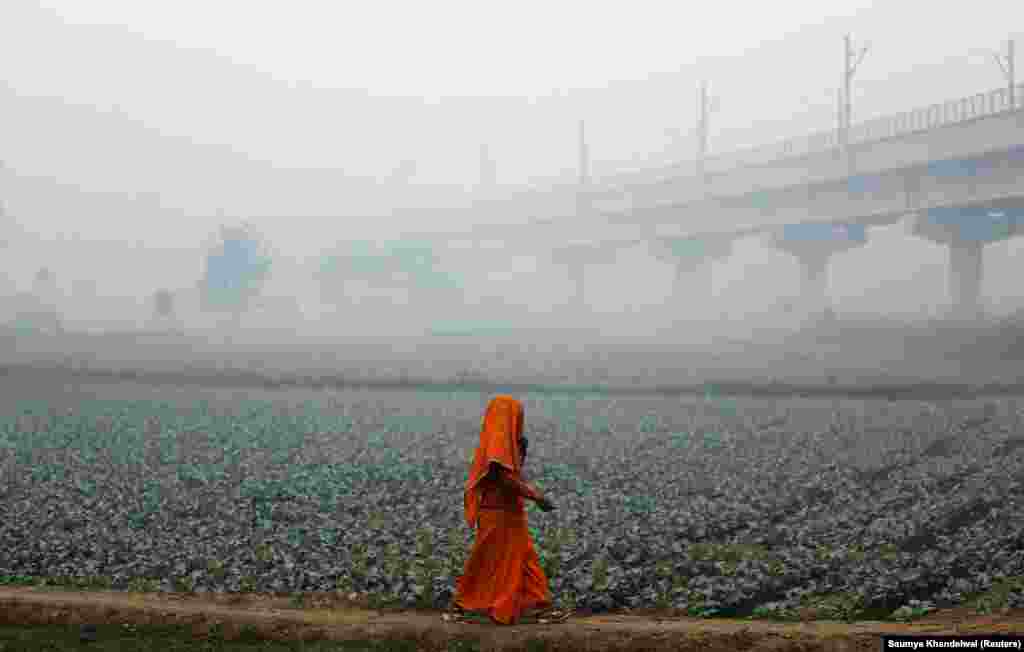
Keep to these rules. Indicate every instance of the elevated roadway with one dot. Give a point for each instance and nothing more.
(954, 170)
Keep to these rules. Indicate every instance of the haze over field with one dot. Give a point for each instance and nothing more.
(132, 133)
(265, 266)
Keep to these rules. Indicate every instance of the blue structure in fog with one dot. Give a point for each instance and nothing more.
(976, 223)
(235, 270)
(824, 232)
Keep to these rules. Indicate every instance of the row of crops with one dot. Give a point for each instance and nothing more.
(711, 504)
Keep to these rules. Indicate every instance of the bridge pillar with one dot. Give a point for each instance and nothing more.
(813, 244)
(578, 275)
(576, 258)
(814, 282)
(965, 230)
(965, 269)
(689, 254)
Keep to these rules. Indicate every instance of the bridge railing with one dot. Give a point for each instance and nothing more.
(922, 119)
(938, 115)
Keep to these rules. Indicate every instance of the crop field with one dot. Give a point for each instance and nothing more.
(714, 506)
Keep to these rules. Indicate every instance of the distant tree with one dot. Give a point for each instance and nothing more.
(5, 224)
(347, 262)
(237, 267)
(38, 311)
(163, 304)
(411, 265)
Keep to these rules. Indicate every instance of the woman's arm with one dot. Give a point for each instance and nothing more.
(513, 483)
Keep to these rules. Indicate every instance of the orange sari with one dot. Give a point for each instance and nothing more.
(502, 577)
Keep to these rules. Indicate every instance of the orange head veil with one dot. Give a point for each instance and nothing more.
(499, 442)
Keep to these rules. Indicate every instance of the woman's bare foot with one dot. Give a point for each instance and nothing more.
(547, 615)
(456, 614)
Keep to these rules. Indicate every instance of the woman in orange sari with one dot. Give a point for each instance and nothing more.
(502, 578)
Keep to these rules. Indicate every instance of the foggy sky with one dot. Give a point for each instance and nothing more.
(328, 85)
(256, 109)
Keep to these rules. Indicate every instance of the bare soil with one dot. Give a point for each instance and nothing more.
(331, 617)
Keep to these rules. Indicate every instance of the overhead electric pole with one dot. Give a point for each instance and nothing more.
(849, 70)
(1006, 64)
(704, 108)
(582, 202)
(487, 168)
(584, 155)
(840, 103)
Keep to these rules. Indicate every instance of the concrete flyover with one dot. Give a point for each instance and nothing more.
(961, 182)
(689, 254)
(962, 128)
(964, 212)
(575, 257)
(813, 244)
(954, 168)
(966, 229)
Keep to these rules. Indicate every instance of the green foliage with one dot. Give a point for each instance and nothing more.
(396, 565)
(701, 552)
(264, 553)
(909, 612)
(569, 598)
(468, 645)
(143, 585)
(558, 472)
(359, 557)
(124, 437)
(296, 535)
(855, 553)
(247, 584)
(838, 606)
(216, 569)
(663, 571)
(998, 596)
(19, 580)
(639, 504)
(686, 247)
(427, 566)
(550, 547)
(648, 424)
(184, 584)
(541, 546)
(344, 584)
(731, 553)
(889, 552)
(823, 553)
(696, 606)
(727, 406)
(776, 612)
(599, 573)
(215, 632)
(712, 440)
(679, 440)
(600, 423)
(328, 536)
(78, 582)
(114, 433)
(392, 264)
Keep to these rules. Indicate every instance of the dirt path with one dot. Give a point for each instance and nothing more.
(329, 617)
